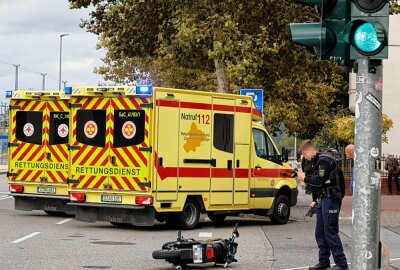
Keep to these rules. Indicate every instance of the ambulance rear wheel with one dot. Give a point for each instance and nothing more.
(187, 219)
(281, 212)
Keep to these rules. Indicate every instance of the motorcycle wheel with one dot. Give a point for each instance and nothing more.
(281, 212)
(167, 254)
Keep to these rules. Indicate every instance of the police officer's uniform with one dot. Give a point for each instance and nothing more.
(329, 202)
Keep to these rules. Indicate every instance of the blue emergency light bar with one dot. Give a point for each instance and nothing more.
(144, 90)
(68, 90)
(8, 93)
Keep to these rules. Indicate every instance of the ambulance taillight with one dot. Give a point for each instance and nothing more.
(77, 197)
(16, 189)
(144, 200)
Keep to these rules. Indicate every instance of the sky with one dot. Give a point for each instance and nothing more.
(30, 36)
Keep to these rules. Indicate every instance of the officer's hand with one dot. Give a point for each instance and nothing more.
(313, 204)
(301, 176)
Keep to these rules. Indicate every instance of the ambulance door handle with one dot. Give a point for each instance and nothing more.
(113, 160)
(237, 163)
(230, 163)
(48, 156)
(258, 167)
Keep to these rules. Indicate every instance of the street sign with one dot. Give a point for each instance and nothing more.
(257, 95)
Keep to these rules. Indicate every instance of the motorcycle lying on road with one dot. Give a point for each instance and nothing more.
(184, 252)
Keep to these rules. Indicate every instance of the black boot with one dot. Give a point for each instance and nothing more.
(319, 266)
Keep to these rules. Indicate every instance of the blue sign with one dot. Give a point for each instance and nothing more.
(257, 95)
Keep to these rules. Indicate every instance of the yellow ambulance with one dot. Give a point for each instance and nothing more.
(141, 153)
(38, 150)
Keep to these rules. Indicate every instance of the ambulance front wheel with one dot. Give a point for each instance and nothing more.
(187, 219)
(281, 212)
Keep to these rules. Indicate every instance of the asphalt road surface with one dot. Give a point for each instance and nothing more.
(35, 240)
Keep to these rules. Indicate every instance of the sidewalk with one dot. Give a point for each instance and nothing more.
(390, 208)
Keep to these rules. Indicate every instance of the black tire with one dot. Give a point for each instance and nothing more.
(216, 217)
(188, 219)
(167, 254)
(281, 212)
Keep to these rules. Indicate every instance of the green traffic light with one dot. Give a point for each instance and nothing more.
(366, 38)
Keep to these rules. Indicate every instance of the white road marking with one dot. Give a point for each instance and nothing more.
(25, 237)
(207, 219)
(6, 197)
(205, 234)
(395, 259)
(63, 221)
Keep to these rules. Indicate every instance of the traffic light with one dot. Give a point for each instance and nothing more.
(368, 30)
(325, 38)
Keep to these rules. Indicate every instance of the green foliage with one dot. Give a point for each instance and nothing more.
(177, 44)
(342, 129)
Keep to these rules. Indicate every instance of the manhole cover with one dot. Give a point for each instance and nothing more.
(113, 243)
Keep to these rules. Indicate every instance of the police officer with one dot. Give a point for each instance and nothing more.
(327, 227)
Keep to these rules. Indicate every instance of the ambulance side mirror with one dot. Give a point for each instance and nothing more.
(285, 154)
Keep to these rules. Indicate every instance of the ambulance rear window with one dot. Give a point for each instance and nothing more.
(223, 132)
(129, 127)
(29, 126)
(58, 133)
(91, 127)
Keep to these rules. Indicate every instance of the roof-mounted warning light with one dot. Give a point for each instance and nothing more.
(144, 90)
(8, 93)
(68, 90)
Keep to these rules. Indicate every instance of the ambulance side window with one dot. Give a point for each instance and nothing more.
(29, 127)
(91, 127)
(223, 132)
(129, 127)
(58, 133)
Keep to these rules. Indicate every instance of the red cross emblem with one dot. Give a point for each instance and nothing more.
(63, 130)
(28, 129)
(90, 129)
(128, 130)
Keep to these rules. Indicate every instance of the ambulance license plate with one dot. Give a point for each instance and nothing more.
(46, 190)
(111, 198)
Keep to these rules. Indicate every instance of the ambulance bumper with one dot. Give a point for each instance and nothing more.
(51, 203)
(130, 214)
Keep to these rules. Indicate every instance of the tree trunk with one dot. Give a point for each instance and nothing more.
(220, 71)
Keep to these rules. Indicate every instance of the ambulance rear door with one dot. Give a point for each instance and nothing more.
(57, 125)
(27, 145)
(129, 144)
(91, 124)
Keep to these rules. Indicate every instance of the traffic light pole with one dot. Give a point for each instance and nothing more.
(365, 252)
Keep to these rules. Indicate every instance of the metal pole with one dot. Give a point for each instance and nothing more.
(367, 178)
(44, 80)
(16, 76)
(65, 84)
(59, 75)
